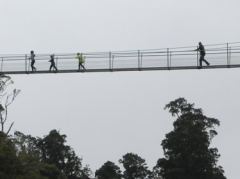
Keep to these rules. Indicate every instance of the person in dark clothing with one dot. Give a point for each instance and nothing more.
(32, 58)
(52, 63)
(202, 52)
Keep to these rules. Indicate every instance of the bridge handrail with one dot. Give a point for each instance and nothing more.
(220, 54)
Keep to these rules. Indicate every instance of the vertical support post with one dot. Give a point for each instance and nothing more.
(139, 60)
(110, 61)
(228, 60)
(2, 65)
(26, 70)
(197, 57)
(229, 55)
(168, 58)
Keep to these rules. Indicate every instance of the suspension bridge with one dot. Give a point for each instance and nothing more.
(225, 55)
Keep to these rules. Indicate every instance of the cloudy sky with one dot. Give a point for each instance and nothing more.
(106, 115)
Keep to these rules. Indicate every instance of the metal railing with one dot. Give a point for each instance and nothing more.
(219, 55)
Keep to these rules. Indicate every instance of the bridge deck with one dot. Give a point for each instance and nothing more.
(125, 69)
(220, 56)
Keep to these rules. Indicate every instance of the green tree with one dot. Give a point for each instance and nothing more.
(54, 151)
(48, 157)
(135, 167)
(187, 148)
(29, 155)
(108, 171)
(10, 166)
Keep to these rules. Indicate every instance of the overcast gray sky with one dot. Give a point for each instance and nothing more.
(106, 115)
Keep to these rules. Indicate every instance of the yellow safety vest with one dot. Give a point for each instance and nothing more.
(81, 58)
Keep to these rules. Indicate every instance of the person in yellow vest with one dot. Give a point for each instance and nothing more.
(81, 61)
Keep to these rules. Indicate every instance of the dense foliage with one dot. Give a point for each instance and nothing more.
(187, 148)
(109, 171)
(23, 156)
(135, 167)
(187, 151)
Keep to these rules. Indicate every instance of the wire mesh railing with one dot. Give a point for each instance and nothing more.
(218, 55)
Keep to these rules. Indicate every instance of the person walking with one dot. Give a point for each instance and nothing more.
(81, 61)
(202, 52)
(32, 58)
(52, 63)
